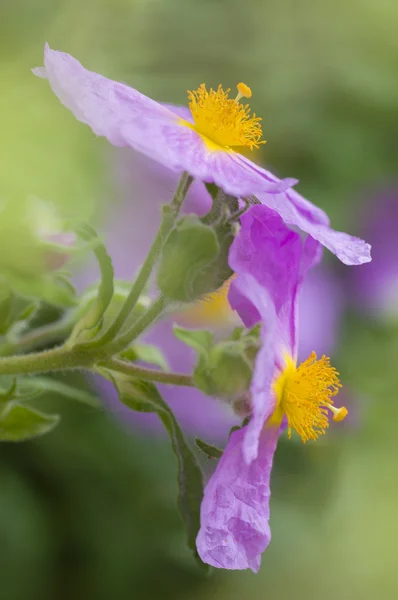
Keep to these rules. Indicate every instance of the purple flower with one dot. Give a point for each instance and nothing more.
(374, 287)
(270, 261)
(200, 140)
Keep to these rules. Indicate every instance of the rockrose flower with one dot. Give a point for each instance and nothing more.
(202, 140)
(270, 261)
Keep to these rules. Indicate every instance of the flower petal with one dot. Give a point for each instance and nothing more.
(296, 210)
(127, 118)
(180, 148)
(263, 400)
(270, 261)
(269, 251)
(234, 528)
(101, 103)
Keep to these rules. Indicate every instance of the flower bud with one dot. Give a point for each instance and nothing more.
(194, 261)
(225, 372)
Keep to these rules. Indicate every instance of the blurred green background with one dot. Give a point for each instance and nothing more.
(88, 511)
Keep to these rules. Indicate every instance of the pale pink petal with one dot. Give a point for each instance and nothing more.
(235, 514)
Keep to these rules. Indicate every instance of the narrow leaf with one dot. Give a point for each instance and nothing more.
(47, 384)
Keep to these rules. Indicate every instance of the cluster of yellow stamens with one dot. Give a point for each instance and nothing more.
(304, 395)
(224, 122)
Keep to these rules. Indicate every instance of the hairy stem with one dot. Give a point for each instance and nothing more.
(40, 337)
(169, 218)
(133, 370)
(56, 359)
(149, 318)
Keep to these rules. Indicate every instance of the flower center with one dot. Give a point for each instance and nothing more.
(304, 395)
(223, 121)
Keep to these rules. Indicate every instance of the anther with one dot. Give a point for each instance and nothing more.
(339, 414)
(243, 91)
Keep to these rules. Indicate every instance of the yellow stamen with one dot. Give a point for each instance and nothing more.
(243, 91)
(339, 414)
(304, 395)
(223, 122)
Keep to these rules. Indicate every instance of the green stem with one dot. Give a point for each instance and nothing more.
(152, 314)
(168, 220)
(147, 374)
(56, 359)
(40, 337)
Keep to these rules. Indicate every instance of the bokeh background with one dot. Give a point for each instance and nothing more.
(88, 511)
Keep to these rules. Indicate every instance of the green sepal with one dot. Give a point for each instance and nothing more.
(212, 452)
(200, 340)
(143, 396)
(189, 250)
(225, 373)
(147, 353)
(19, 422)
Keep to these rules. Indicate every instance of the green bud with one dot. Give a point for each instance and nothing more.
(188, 260)
(225, 372)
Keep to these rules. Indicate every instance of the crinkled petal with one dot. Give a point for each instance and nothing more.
(101, 103)
(127, 118)
(235, 528)
(263, 400)
(296, 210)
(268, 250)
(182, 149)
(270, 261)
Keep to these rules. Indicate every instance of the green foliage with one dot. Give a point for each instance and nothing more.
(41, 385)
(212, 452)
(143, 396)
(19, 422)
(224, 369)
(147, 353)
(187, 254)
(225, 372)
(91, 322)
(200, 340)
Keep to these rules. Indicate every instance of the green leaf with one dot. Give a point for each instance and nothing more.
(92, 320)
(147, 353)
(200, 340)
(211, 452)
(47, 384)
(143, 396)
(19, 422)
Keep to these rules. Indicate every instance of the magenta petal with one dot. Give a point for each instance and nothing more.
(296, 210)
(262, 398)
(268, 250)
(234, 528)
